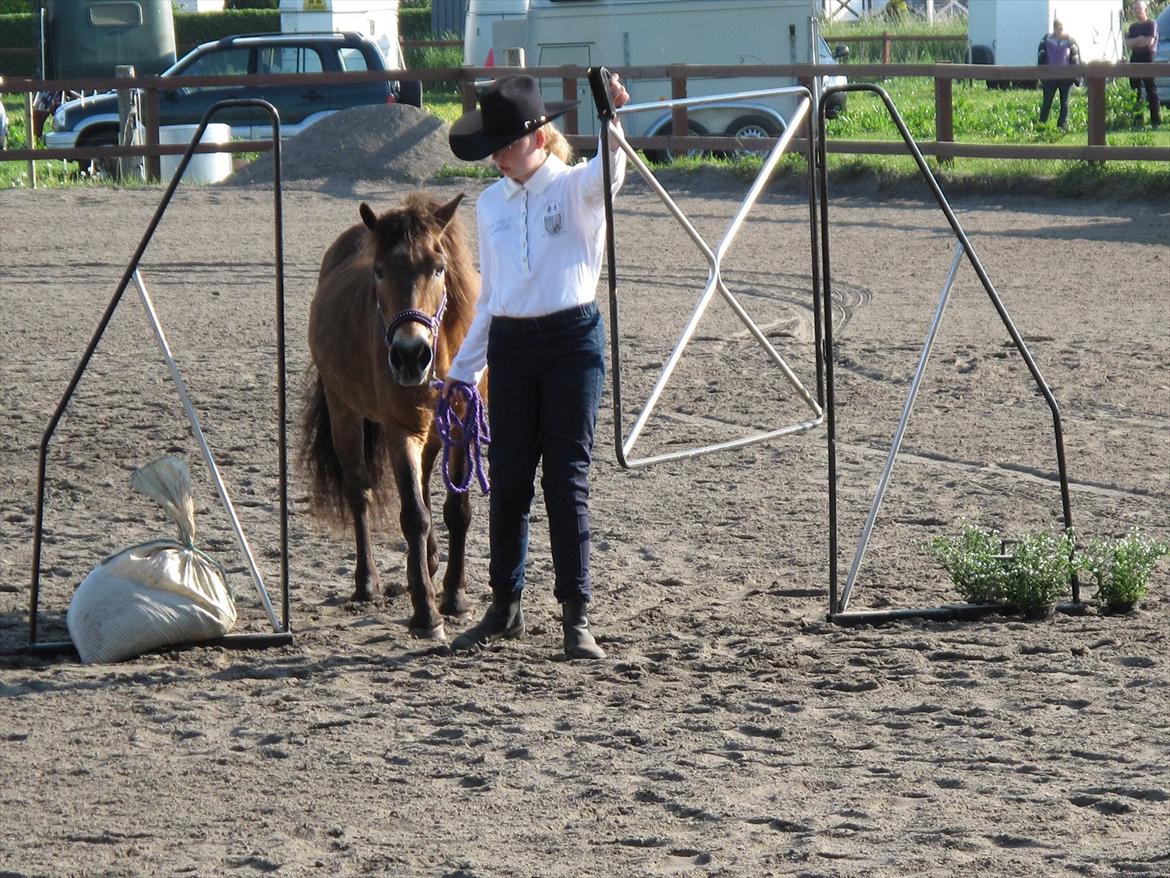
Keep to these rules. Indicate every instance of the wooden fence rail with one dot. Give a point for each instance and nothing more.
(944, 145)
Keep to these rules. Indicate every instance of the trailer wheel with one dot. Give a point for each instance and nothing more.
(753, 126)
(667, 156)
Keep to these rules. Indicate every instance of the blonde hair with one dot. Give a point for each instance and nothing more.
(556, 144)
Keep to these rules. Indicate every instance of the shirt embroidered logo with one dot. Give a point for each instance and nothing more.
(553, 224)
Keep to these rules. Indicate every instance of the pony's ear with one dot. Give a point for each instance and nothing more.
(368, 216)
(447, 212)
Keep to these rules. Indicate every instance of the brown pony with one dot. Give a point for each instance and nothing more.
(395, 297)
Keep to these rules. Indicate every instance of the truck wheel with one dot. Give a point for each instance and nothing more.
(753, 126)
(667, 156)
(410, 91)
(107, 167)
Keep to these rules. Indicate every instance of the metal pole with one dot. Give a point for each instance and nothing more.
(830, 406)
(30, 138)
(896, 443)
(205, 450)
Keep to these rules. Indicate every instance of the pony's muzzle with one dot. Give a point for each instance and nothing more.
(410, 358)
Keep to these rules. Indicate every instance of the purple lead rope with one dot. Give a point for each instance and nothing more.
(473, 429)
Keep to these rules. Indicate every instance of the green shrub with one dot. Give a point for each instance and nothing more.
(414, 24)
(1121, 568)
(194, 28)
(974, 563)
(1039, 571)
(15, 7)
(251, 4)
(18, 32)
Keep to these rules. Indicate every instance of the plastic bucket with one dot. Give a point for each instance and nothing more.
(207, 167)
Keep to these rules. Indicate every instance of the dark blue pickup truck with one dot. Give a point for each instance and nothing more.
(93, 121)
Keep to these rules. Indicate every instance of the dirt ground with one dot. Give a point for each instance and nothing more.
(732, 731)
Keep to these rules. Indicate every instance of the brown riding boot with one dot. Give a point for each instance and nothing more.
(504, 619)
(579, 642)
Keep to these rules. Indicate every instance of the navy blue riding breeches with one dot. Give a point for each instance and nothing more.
(545, 378)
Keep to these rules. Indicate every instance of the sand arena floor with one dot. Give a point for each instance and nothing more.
(732, 731)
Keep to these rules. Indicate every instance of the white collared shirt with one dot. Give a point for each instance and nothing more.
(540, 248)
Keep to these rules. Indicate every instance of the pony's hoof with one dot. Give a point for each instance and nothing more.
(394, 590)
(361, 594)
(456, 606)
(437, 634)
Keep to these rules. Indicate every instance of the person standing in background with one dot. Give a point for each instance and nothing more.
(1142, 40)
(1057, 49)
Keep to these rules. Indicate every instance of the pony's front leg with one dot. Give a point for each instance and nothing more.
(457, 517)
(415, 519)
(348, 430)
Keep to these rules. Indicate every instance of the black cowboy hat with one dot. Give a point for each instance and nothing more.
(509, 108)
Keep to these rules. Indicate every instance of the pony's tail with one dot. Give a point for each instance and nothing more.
(318, 459)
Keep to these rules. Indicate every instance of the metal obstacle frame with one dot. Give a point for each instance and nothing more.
(819, 226)
(839, 599)
(624, 444)
(282, 632)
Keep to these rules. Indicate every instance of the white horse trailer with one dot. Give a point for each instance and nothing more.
(477, 32)
(635, 33)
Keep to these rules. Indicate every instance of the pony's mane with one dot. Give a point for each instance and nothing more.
(415, 218)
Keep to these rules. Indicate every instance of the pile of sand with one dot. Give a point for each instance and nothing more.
(378, 142)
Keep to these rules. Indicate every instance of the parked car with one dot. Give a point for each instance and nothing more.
(93, 121)
(1162, 53)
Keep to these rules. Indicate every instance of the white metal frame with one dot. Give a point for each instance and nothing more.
(715, 283)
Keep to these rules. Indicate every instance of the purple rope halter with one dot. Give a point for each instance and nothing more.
(473, 435)
(473, 427)
(413, 315)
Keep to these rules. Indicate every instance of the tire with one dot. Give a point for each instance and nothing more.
(410, 91)
(107, 167)
(982, 55)
(985, 55)
(835, 105)
(753, 125)
(667, 156)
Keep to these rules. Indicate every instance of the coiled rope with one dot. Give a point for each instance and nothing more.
(472, 430)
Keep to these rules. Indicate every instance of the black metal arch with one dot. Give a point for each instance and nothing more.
(837, 601)
(248, 641)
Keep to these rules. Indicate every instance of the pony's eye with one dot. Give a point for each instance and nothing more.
(378, 272)
(440, 269)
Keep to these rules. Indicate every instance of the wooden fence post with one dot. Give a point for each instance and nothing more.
(569, 93)
(150, 113)
(129, 133)
(1095, 81)
(467, 90)
(678, 91)
(885, 47)
(944, 119)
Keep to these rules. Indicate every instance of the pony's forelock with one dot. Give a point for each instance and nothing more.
(415, 218)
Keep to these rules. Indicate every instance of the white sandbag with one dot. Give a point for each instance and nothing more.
(160, 593)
